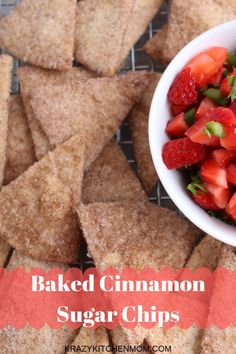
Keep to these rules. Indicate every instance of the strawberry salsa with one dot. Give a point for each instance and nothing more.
(202, 100)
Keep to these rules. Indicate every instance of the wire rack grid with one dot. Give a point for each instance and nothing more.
(137, 60)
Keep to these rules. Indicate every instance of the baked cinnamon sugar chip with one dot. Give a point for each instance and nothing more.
(139, 129)
(101, 44)
(186, 21)
(114, 234)
(31, 78)
(41, 33)
(110, 178)
(6, 63)
(37, 209)
(95, 109)
(215, 340)
(206, 254)
(92, 337)
(20, 147)
(30, 340)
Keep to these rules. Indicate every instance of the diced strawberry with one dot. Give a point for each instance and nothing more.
(177, 126)
(223, 157)
(225, 87)
(204, 107)
(229, 140)
(205, 200)
(205, 65)
(203, 68)
(220, 195)
(217, 77)
(183, 92)
(231, 208)
(231, 173)
(212, 173)
(233, 107)
(182, 152)
(177, 109)
(219, 54)
(222, 115)
(197, 134)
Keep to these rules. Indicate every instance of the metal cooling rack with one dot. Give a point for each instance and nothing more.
(137, 60)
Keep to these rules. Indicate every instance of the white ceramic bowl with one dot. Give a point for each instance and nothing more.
(224, 36)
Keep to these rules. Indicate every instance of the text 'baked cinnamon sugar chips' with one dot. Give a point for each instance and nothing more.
(100, 44)
(37, 214)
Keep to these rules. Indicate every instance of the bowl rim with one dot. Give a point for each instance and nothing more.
(217, 229)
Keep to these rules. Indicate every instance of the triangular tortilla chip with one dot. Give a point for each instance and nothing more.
(20, 147)
(32, 77)
(215, 340)
(6, 64)
(110, 178)
(186, 21)
(29, 340)
(41, 33)
(106, 30)
(94, 109)
(114, 234)
(155, 46)
(92, 337)
(37, 209)
(206, 254)
(139, 129)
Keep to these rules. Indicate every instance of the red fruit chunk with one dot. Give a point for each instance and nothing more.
(203, 68)
(177, 126)
(220, 114)
(206, 65)
(183, 92)
(231, 208)
(233, 107)
(231, 173)
(223, 157)
(220, 195)
(212, 173)
(197, 134)
(229, 140)
(177, 109)
(204, 107)
(219, 54)
(205, 200)
(182, 152)
(217, 77)
(225, 87)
